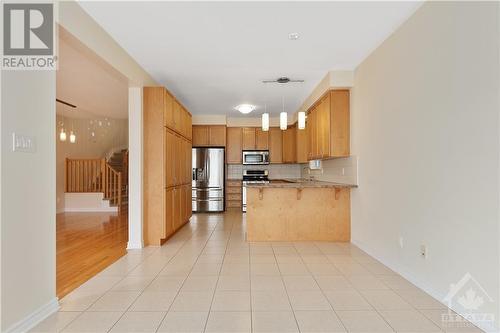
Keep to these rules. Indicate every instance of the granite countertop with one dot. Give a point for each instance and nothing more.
(300, 183)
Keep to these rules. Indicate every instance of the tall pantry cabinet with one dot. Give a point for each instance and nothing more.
(167, 165)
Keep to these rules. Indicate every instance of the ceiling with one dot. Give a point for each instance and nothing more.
(85, 80)
(214, 55)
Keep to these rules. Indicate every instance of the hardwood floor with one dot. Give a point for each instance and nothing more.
(86, 244)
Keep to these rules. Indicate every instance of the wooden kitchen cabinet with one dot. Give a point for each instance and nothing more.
(200, 135)
(289, 144)
(261, 139)
(234, 145)
(167, 165)
(209, 135)
(217, 135)
(275, 145)
(328, 126)
(248, 136)
(301, 145)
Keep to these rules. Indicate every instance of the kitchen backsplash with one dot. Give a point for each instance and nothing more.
(339, 170)
(276, 171)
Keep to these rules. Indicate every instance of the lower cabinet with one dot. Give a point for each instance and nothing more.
(177, 208)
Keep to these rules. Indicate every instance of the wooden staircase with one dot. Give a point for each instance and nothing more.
(98, 175)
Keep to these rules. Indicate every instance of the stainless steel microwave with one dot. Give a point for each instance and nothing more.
(255, 157)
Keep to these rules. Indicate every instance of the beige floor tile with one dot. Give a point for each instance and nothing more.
(409, 321)
(166, 283)
(153, 301)
(266, 283)
(284, 250)
(351, 269)
(274, 322)
(200, 283)
(317, 269)
(236, 259)
(314, 259)
(184, 322)
(263, 259)
(93, 322)
(293, 269)
(205, 269)
(385, 300)
(318, 321)
(293, 258)
(378, 268)
(264, 269)
(347, 300)
(231, 301)
(366, 282)
(450, 322)
(55, 322)
(396, 282)
(308, 301)
(364, 322)
(234, 283)
(336, 282)
(147, 269)
(235, 269)
(230, 322)
(99, 284)
(192, 301)
(176, 270)
(270, 301)
(211, 259)
(300, 283)
(79, 300)
(138, 322)
(420, 299)
(115, 301)
(133, 283)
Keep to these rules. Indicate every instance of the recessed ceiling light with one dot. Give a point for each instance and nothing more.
(293, 36)
(245, 108)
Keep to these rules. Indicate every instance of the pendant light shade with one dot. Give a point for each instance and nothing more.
(283, 120)
(265, 122)
(72, 137)
(302, 120)
(62, 135)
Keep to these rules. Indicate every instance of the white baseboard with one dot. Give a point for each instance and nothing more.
(426, 288)
(35, 317)
(134, 246)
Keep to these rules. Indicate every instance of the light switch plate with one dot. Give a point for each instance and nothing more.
(23, 143)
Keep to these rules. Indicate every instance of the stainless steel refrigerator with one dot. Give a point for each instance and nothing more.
(208, 179)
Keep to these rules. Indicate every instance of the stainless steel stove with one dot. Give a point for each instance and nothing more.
(253, 177)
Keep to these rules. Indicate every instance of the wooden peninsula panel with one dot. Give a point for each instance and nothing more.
(298, 214)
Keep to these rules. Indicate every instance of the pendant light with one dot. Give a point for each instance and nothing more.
(72, 136)
(302, 120)
(62, 135)
(283, 116)
(265, 120)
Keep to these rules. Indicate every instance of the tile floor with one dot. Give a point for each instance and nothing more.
(207, 278)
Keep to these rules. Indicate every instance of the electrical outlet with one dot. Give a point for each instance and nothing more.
(401, 242)
(23, 143)
(423, 251)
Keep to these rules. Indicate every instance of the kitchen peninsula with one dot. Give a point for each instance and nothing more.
(299, 210)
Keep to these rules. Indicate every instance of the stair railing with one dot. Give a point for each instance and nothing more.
(93, 176)
(113, 186)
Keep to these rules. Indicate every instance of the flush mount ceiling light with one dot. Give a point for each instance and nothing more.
(293, 36)
(245, 108)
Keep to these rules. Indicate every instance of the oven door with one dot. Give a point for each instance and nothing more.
(255, 157)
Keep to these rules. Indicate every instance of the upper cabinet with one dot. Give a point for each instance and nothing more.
(209, 135)
(301, 145)
(261, 139)
(248, 138)
(234, 145)
(289, 144)
(328, 126)
(275, 145)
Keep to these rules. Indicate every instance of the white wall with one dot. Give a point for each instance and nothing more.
(425, 125)
(28, 216)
